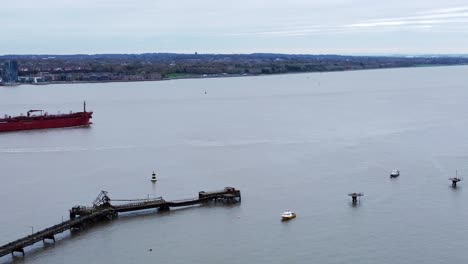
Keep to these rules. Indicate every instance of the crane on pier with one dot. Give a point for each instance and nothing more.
(102, 199)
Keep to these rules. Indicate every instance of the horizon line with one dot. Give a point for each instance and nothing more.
(254, 53)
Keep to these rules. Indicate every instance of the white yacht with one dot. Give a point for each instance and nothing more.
(288, 215)
(395, 173)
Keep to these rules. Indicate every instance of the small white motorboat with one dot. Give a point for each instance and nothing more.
(287, 215)
(395, 173)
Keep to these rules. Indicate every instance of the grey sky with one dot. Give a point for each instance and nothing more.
(242, 26)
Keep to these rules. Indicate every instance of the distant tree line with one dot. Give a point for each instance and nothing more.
(169, 65)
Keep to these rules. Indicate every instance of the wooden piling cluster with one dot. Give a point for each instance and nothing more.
(103, 209)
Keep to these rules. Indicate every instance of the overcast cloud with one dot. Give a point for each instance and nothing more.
(242, 26)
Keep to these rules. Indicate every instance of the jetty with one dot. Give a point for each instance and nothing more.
(455, 179)
(105, 208)
(355, 197)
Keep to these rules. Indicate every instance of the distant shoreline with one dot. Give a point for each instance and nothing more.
(213, 76)
(104, 68)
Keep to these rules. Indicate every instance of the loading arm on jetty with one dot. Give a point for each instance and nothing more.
(103, 209)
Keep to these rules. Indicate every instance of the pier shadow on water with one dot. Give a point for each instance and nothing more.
(354, 204)
(155, 213)
(455, 189)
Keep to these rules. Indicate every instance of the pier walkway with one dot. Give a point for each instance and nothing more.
(103, 209)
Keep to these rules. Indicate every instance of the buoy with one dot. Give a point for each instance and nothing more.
(153, 177)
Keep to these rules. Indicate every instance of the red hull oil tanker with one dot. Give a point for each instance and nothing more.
(45, 120)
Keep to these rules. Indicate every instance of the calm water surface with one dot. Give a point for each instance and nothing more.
(299, 142)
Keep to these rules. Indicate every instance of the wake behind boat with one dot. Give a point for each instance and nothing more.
(44, 120)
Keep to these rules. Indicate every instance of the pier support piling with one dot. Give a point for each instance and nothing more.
(48, 238)
(164, 208)
(20, 250)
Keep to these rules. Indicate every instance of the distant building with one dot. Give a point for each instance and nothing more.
(10, 72)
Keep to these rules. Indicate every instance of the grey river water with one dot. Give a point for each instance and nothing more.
(299, 142)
